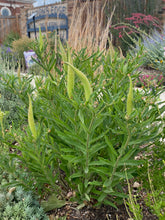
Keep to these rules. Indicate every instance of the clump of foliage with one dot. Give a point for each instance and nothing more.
(9, 103)
(84, 123)
(154, 50)
(35, 69)
(12, 92)
(156, 155)
(84, 126)
(131, 26)
(6, 48)
(152, 41)
(149, 80)
(19, 46)
(12, 36)
(8, 57)
(155, 200)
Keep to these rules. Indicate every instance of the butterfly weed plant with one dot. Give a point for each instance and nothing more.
(83, 127)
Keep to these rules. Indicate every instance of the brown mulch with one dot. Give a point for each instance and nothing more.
(102, 213)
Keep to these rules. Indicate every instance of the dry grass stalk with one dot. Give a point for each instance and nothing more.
(87, 28)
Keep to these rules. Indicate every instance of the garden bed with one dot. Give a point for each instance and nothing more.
(102, 213)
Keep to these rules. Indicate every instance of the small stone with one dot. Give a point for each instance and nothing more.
(137, 157)
(70, 194)
(136, 185)
(12, 190)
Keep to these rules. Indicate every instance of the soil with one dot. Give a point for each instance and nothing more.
(102, 213)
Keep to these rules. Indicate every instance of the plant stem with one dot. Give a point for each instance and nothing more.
(120, 155)
(87, 149)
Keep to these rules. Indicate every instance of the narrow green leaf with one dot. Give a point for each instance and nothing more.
(107, 202)
(95, 148)
(113, 153)
(102, 162)
(119, 194)
(52, 203)
(123, 175)
(72, 159)
(99, 136)
(70, 77)
(76, 175)
(81, 116)
(41, 43)
(95, 183)
(130, 162)
(101, 170)
(97, 163)
(127, 155)
(87, 197)
(102, 197)
(68, 157)
(64, 55)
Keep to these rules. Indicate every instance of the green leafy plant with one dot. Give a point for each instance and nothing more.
(9, 103)
(132, 205)
(45, 57)
(156, 200)
(155, 153)
(136, 26)
(149, 80)
(19, 46)
(12, 36)
(82, 143)
(35, 69)
(154, 51)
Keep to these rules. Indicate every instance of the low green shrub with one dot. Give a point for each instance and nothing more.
(12, 36)
(9, 103)
(154, 50)
(150, 80)
(13, 91)
(155, 199)
(84, 127)
(35, 69)
(138, 25)
(19, 46)
(155, 155)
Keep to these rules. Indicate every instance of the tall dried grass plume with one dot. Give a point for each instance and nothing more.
(88, 26)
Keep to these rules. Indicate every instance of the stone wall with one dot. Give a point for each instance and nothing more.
(23, 21)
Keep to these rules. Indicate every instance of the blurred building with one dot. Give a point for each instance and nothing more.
(13, 7)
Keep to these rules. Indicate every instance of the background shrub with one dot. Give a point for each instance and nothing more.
(154, 50)
(9, 103)
(144, 8)
(19, 46)
(12, 36)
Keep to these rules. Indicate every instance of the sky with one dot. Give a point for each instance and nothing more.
(46, 2)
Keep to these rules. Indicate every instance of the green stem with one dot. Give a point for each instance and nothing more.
(3, 134)
(120, 155)
(87, 150)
